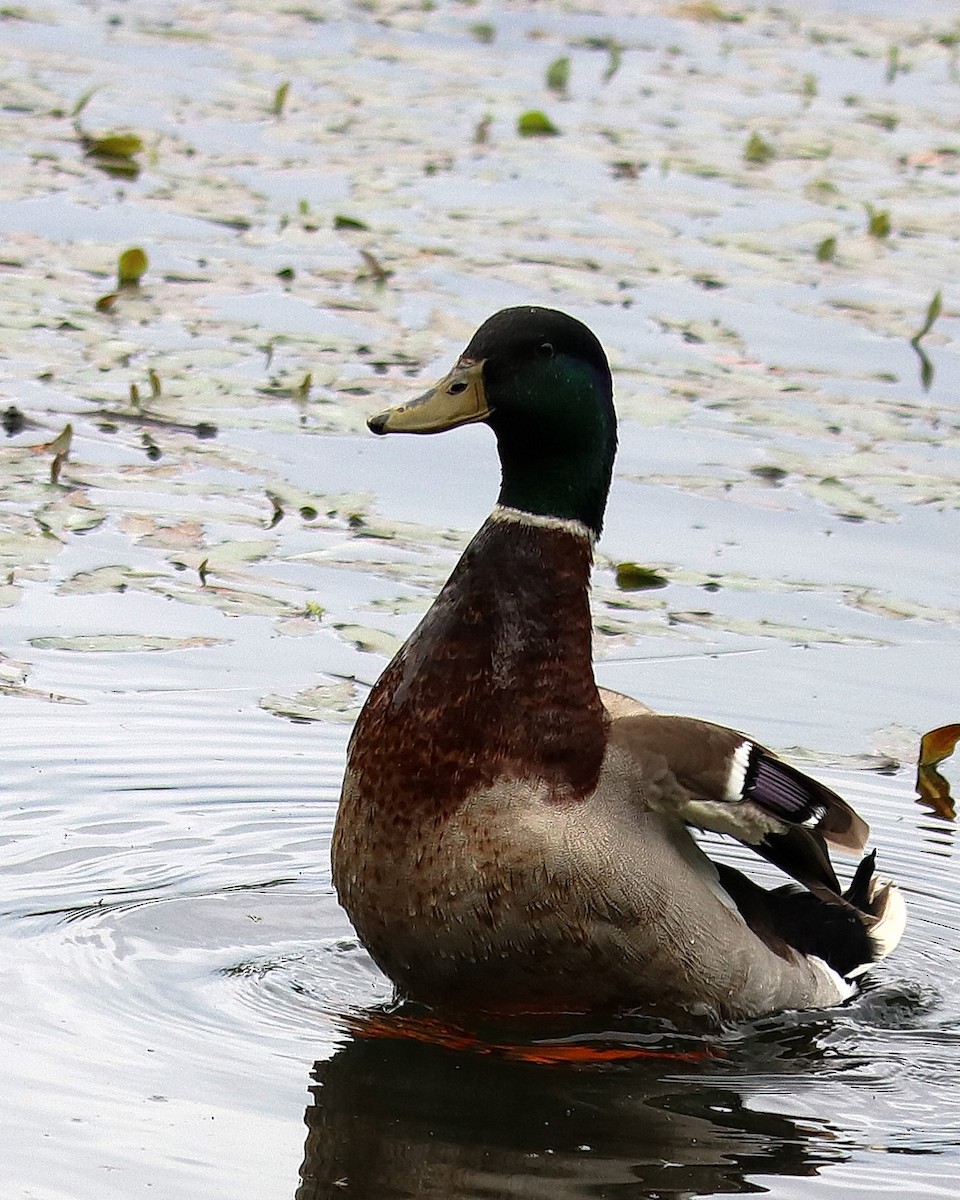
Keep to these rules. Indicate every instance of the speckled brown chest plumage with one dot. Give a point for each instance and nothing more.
(493, 696)
(496, 680)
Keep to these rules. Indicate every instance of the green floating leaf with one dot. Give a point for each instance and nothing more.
(342, 222)
(83, 101)
(277, 506)
(280, 98)
(757, 151)
(893, 63)
(878, 221)
(883, 120)
(113, 153)
(114, 145)
(769, 473)
(131, 266)
(536, 124)
(558, 75)
(631, 577)
(614, 52)
(926, 366)
(827, 249)
(934, 308)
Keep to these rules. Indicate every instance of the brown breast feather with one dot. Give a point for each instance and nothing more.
(496, 681)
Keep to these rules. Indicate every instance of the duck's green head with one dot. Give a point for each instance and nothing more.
(541, 381)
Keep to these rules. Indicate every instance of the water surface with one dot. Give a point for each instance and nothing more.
(194, 609)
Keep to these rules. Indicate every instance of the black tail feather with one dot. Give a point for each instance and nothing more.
(833, 929)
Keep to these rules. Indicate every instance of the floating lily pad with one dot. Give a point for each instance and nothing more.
(328, 702)
(115, 578)
(123, 643)
(375, 641)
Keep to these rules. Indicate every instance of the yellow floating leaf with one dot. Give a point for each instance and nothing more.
(114, 145)
(131, 266)
(932, 788)
(934, 791)
(61, 443)
(632, 577)
(938, 744)
(536, 124)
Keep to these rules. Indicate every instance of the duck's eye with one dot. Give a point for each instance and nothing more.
(456, 388)
(545, 350)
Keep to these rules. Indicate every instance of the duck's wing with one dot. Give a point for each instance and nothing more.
(715, 778)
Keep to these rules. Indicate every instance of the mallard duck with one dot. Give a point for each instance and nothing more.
(510, 836)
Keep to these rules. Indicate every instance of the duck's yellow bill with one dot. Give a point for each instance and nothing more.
(458, 399)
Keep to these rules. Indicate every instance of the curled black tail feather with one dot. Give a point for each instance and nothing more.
(834, 929)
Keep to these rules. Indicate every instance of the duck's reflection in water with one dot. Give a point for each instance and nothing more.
(407, 1118)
